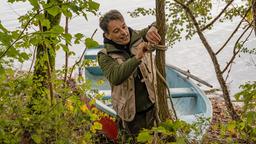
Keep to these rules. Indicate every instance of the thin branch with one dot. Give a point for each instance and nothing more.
(34, 53)
(50, 79)
(234, 49)
(236, 29)
(217, 17)
(33, 60)
(254, 15)
(82, 56)
(228, 72)
(253, 62)
(66, 54)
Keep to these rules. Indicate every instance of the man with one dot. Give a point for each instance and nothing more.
(127, 65)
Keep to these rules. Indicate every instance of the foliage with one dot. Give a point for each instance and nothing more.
(178, 132)
(179, 25)
(11, 42)
(177, 18)
(29, 118)
(247, 126)
(242, 131)
(68, 121)
(167, 131)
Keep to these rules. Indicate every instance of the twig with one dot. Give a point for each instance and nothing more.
(228, 72)
(217, 17)
(254, 15)
(233, 32)
(33, 60)
(50, 79)
(234, 49)
(80, 59)
(66, 54)
(253, 62)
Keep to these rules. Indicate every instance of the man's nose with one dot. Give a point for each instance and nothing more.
(124, 32)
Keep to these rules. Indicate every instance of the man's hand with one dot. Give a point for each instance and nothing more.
(141, 49)
(152, 35)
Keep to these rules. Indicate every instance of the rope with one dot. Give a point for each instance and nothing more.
(151, 48)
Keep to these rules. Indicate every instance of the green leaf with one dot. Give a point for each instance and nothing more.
(67, 37)
(66, 11)
(90, 43)
(46, 23)
(34, 3)
(180, 140)
(54, 10)
(251, 117)
(93, 5)
(78, 38)
(36, 138)
(57, 29)
(64, 47)
(144, 137)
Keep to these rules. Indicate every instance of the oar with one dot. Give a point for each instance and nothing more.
(190, 75)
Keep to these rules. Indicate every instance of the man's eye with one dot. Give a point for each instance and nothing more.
(115, 31)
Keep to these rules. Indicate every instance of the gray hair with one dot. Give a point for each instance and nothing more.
(109, 16)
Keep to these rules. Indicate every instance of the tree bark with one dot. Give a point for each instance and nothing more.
(164, 113)
(45, 61)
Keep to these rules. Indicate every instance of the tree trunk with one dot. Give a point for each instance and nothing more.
(45, 61)
(160, 62)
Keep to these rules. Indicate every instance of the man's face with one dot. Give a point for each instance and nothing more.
(118, 32)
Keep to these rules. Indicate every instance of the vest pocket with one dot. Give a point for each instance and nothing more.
(119, 108)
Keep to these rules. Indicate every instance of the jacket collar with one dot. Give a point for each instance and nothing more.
(113, 47)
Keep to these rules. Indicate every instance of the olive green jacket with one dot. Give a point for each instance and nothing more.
(119, 68)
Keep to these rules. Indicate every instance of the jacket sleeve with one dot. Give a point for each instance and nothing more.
(117, 73)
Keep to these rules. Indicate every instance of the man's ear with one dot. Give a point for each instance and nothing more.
(107, 35)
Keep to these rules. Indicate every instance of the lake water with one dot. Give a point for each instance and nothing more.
(187, 54)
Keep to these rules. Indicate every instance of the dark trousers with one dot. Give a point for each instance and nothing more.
(141, 120)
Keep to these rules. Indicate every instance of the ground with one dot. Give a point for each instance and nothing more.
(220, 116)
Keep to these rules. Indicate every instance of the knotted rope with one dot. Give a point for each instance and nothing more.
(151, 48)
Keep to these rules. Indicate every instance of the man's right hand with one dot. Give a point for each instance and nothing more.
(141, 49)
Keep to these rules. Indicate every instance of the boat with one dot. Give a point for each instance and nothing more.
(190, 102)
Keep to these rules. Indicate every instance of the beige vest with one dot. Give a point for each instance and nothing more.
(123, 95)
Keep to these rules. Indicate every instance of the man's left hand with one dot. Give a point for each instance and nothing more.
(153, 36)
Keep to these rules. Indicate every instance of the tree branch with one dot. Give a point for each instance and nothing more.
(234, 49)
(254, 15)
(82, 56)
(217, 17)
(66, 54)
(215, 62)
(223, 46)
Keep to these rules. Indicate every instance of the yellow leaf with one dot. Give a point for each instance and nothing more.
(84, 108)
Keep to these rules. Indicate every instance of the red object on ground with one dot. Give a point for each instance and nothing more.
(109, 128)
